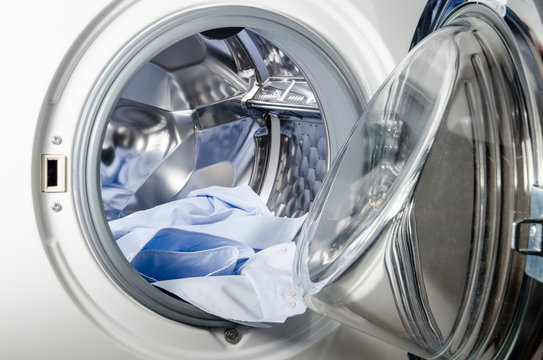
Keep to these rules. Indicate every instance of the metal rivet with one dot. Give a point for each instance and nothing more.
(56, 207)
(57, 140)
(232, 335)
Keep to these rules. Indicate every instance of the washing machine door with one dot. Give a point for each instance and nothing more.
(410, 238)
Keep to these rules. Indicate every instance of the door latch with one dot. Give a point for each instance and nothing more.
(534, 249)
(535, 239)
(53, 173)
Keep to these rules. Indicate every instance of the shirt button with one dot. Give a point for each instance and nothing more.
(283, 250)
(291, 304)
(290, 292)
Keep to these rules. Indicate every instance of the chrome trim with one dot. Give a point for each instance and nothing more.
(273, 159)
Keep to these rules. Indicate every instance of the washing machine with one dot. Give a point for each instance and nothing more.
(422, 201)
(64, 301)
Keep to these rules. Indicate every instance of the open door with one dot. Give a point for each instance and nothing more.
(410, 238)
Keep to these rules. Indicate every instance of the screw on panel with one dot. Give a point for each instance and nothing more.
(57, 140)
(56, 207)
(232, 335)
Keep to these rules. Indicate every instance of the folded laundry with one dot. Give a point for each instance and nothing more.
(220, 249)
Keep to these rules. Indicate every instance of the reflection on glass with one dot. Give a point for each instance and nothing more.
(405, 236)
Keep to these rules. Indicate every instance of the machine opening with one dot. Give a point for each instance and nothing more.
(227, 108)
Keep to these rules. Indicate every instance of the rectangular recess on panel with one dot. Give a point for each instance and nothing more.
(53, 173)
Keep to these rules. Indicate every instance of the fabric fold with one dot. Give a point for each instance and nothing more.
(220, 249)
(166, 265)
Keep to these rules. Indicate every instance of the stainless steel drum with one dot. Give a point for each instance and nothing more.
(210, 111)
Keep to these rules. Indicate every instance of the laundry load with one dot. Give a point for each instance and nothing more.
(219, 249)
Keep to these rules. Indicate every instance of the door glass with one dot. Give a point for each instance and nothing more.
(408, 240)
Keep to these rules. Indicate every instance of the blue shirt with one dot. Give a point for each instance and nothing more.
(220, 249)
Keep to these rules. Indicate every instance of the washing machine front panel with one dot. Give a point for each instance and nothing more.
(39, 318)
(410, 239)
(72, 124)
